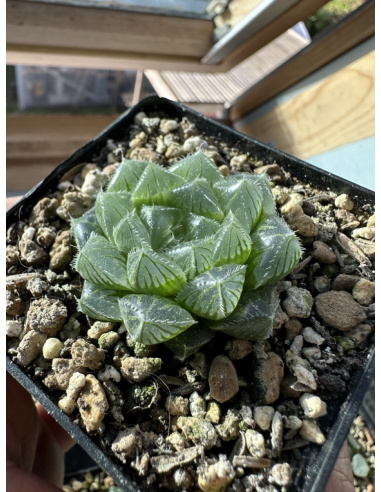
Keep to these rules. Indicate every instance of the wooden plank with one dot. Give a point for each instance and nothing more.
(338, 39)
(336, 111)
(37, 143)
(278, 26)
(53, 25)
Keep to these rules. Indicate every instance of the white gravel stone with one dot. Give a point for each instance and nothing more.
(109, 372)
(344, 201)
(281, 474)
(52, 348)
(304, 376)
(68, 403)
(313, 406)
(13, 328)
(263, 416)
(311, 432)
(311, 336)
(298, 302)
(297, 345)
(255, 443)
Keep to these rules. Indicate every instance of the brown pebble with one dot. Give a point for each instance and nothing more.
(61, 252)
(345, 282)
(223, 380)
(30, 347)
(47, 316)
(323, 253)
(339, 309)
(92, 403)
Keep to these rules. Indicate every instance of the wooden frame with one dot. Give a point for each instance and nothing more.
(330, 44)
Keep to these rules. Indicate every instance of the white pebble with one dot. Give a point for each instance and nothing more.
(13, 328)
(305, 377)
(297, 345)
(311, 432)
(76, 383)
(28, 233)
(109, 372)
(311, 336)
(313, 406)
(344, 201)
(52, 348)
(263, 416)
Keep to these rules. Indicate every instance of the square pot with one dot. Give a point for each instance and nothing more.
(318, 460)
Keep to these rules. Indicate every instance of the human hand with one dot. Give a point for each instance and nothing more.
(36, 444)
(341, 479)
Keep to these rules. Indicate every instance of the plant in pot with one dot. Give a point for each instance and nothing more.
(190, 337)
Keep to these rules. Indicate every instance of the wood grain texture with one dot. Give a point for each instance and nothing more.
(278, 26)
(336, 111)
(332, 43)
(36, 144)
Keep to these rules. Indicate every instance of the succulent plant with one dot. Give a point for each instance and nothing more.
(177, 253)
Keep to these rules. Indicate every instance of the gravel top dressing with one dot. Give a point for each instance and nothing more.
(213, 360)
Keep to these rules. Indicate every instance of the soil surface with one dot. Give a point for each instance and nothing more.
(169, 424)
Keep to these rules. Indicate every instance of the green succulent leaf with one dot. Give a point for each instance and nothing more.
(100, 303)
(214, 294)
(253, 318)
(150, 272)
(233, 243)
(152, 319)
(243, 198)
(161, 223)
(127, 175)
(198, 198)
(193, 257)
(197, 165)
(154, 186)
(130, 233)
(199, 227)
(101, 263)
(262, 181)
(276, 251)
(110, 209)
(190, 341)
(84, 226)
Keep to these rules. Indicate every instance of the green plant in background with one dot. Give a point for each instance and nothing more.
(177, 253)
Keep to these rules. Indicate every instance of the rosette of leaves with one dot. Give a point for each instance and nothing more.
(177, 253)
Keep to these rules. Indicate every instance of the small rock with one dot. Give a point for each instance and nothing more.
(368, 247)
(52, 348)
(364, 292)
(229, 429)
(311, 432)
(150, 124)
(11, 256)
(311, 336)
(223, 379)
(86, 354)
(224, 170)
(46, 315)
(177, 441)
(143, 154)
(199, 431)
(191, 144)
(124, 444)
(45, 236)
(160, 145)
(313, 406)
(136, 370)
(345, 282)
(43, 211)
(92, 403)
(298, 302)
(311, 353)
(280, 196)
(31, 254)
(98, 328)
(359, 333)
(364, 233)
(36, 286)
(182, 478)
(74, 204)
(177, 405)
(255, 443)
(268, 374)
(13, 328)
(360, 466)
(166, 463)
(14, 304)
(109, 372)
(238, 349)
(213, 412)
(174, 150)
(263, 416)
(305, 377)
(297, 345)
(339, 309)
(322, 284)
(293, 328)
(95, 179)
(68, 403)
(238, 163)
(345, 202)
(30, 347)
(62, 369)
(323, 253)
(168, 126)
(138, 141)
(281, 474)
(216, 477)
(275, 172)
(197, 405)
(277, 434)
(304, 225)
(61, 252)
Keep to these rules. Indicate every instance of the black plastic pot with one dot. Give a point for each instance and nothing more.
(319, 460)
